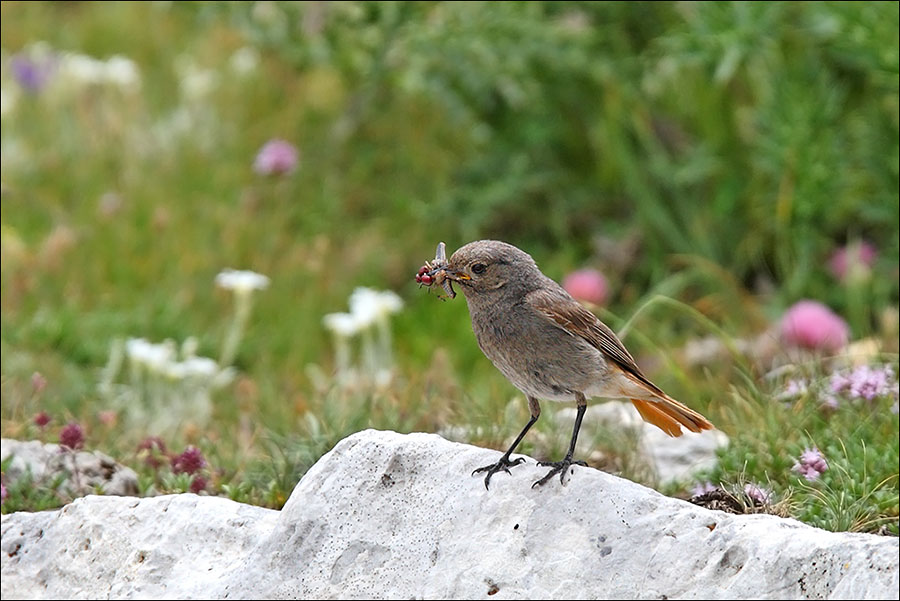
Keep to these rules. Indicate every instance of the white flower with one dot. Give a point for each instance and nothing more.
(189, 347)
(364, 306)
(193, 367)
(369, 305)
(342, 324)
(244, 60)
(241, 281)
(390, 302)
(122, 72)
(196, 83)
(223, 378)
(82, 69)
(154, 356)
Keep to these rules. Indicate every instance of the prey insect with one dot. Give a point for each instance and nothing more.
(435, 272)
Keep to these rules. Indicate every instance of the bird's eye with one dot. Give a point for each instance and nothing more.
(478, 268)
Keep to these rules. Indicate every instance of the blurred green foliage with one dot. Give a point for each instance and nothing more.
(755, 135)
(712, 152)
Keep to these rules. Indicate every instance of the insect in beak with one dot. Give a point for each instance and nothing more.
(435, 272)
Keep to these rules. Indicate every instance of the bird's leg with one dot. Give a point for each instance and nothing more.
(504, 464)
(561, 467)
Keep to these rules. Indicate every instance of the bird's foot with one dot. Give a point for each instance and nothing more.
(559, 467)
(503, 465)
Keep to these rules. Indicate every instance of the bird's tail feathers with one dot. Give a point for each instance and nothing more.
(669, 415)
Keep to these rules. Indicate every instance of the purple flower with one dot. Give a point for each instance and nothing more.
(868, 383)
(276, 157)
(72, 436)
(839, 383)
(702, 488)
(41, 420)
(33, 72)
(3, 493)
(587, 285)
(830, 402)
(793, 389)
(152, 443)
(811, 464)
(758, 494)
(189, 462)
(865, 382)
(198, 484)
(796, 387)
(812, 325)
(852, 259)
(154, 449)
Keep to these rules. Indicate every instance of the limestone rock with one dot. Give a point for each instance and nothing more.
(46, 461)
(175, 546)
(384, 515)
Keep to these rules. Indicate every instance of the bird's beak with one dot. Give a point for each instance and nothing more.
(451, 274)
(444, 276)
(459, 276)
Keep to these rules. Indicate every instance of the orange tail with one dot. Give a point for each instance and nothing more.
(669, 415)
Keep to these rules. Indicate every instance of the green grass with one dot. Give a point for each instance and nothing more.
(858, 491)
(707, 157)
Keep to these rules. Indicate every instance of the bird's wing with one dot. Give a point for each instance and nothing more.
(568, 314)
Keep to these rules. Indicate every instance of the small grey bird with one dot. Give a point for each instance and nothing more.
(548, 345)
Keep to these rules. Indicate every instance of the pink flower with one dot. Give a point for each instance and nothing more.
(108, 418)
(794, 389)
(811, 464)
(190, 461)
(38, 382)
(810, 324)
(72, 436)
(758, 494)
(703, 488)
(276, 157)
(587, 285)
(852, 259)
(42, 419)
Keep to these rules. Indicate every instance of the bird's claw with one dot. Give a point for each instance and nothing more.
(504, 464)
(559, 467)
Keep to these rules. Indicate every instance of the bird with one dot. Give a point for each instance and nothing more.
(548, 345)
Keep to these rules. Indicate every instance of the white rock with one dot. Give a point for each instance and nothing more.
(677, 459)
(124, 547)
(671, 459)
(385, 515)
(46, 461)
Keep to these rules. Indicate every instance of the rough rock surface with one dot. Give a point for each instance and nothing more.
(385, 515)
(101, 547)
(46, 461)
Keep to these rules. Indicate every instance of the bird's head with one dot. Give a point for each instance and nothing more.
(484, 267)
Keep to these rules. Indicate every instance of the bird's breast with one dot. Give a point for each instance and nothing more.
(535, 355)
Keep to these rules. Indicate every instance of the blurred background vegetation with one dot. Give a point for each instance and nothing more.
(714, 153)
